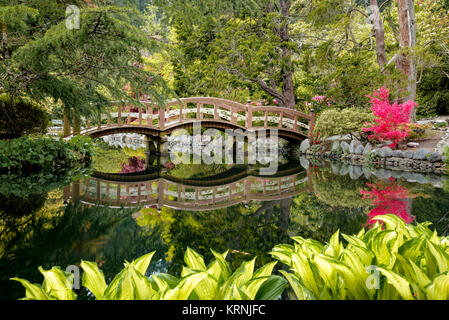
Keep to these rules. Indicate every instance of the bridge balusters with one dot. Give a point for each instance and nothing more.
(98, 191)
(181, 107)
(295, 123)
(119, 116)
(247, 190)
(265, 124)
(216, 117)
(107, 190)
(138, 192)
(311, 123)
(127, 197)
(140, 116)
(249, 117)
(118, 193)
(281, 118)
(161, 119)
(147, 190)
(160, 190)
(149, 116)
(199, 113)
(128, 118)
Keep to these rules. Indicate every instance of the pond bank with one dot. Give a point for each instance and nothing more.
(354, 153)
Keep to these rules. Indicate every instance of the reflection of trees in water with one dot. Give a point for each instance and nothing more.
(246, 231)
(313, 218)
(432, 205)
(195, 171)
(12, 206)
(54, 236)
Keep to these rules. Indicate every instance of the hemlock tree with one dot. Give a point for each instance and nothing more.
(80, 69)
(239, 43)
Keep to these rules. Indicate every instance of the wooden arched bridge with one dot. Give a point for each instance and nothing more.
(191, 195)
(151, 120)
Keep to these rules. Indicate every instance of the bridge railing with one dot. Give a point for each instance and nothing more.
(202, 108)
(162, 192)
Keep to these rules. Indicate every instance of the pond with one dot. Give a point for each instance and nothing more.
(109, 217)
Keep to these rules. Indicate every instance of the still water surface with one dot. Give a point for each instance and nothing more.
(203, 207)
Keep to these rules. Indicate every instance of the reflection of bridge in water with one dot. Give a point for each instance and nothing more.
(194, 195)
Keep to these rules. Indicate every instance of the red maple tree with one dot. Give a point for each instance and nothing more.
(391, 123)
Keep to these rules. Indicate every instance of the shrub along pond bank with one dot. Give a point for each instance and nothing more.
(30, 155)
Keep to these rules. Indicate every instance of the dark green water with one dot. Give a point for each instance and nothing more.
(44, 226)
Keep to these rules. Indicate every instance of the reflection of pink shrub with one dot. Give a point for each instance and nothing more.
(135, 164)
(388, 199)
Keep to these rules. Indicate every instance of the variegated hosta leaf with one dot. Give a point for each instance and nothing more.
(194, 260)
(32, 291)
(58, 283)
(93, 279)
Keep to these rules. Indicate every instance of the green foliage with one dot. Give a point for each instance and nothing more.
(215, 281)
(79, 70)
(108, 159)
(312, 217)
(339, 191)
(412, 263)
(339, 122)
(22, 186)
(27, 154)
(19, 117)
(433, 94)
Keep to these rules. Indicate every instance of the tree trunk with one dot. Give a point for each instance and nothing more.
(407, 42)
(76, 125)
(288, 88)
(413, 75)
(66, 131)
(379, 33)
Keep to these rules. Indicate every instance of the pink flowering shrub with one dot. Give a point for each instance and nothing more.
(318, 104)
(392, 120)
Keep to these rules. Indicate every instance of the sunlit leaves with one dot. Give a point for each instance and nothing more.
(197, 282)
(405, 261)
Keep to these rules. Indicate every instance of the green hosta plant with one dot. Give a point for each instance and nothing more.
(390, 261)
(215, 281)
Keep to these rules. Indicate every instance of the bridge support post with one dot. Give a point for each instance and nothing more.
(76, 191)
(147, 153)
(311, 123)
